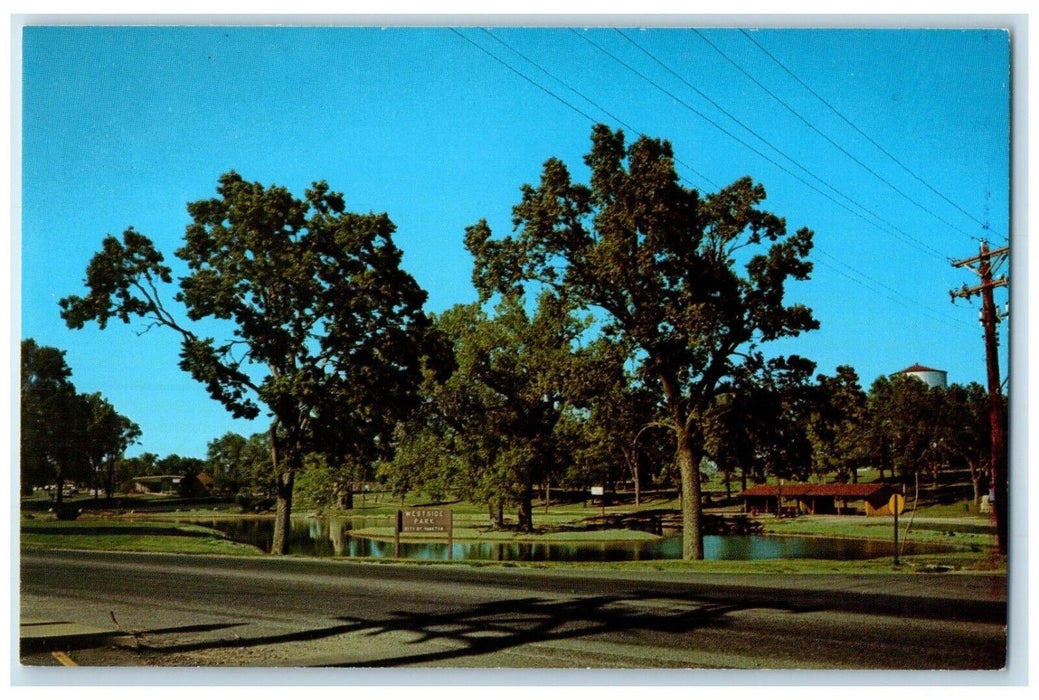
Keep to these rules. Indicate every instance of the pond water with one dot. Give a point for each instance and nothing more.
(330, 537)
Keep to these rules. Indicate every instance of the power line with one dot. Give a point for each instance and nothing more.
(587, 99)
(875, 285)
(833, 143)
(893, 230)
(863, 133)
(548, 92)
(871, 283)
(556, 97)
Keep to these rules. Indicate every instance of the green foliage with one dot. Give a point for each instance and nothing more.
(129, 467)
(227, 463)
(916, 430)
(490, 433)
(316, 486)
(620, 434)
(51, 417)
(903, 412)
(675, 275)
(761, 427)
(110, 434)
(838, 425)
(66, 436)
(324, 328)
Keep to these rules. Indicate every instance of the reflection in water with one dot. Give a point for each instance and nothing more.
(327, 537)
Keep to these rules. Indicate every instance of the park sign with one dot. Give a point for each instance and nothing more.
(424, 520)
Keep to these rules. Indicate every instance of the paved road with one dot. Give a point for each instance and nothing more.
(174, 610)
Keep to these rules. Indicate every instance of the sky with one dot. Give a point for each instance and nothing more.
(892, 145)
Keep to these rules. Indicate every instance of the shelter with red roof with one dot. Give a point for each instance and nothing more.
(818, 499)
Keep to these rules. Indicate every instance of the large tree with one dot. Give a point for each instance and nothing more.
(619, 435)
(227, 462)
(107, 436)
(838, 424)
(759, 424)
(53, 420)
(493, 427)
(325, 330)
(694, 283)
(905, 422)
(967, 435)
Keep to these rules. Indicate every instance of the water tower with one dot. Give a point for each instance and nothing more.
(929, 376)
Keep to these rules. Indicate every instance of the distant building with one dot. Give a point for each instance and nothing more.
(929, 376)
(818, 499)
(166, 484)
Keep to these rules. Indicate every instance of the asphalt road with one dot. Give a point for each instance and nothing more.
(175, 610)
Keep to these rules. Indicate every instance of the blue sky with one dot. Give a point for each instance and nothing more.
(437, 127)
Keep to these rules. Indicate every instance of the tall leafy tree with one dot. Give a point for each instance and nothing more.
(838, 425)
(54, 418)
(326, 330)
(619, 435)
(908, 419)
(494, 425)
(967, 436)
(759, 425)
(695, 284)
(226, 461)
(128, 468)
(107, 437)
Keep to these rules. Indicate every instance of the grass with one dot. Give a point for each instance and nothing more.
(130, 536)
(966, 534)
(959, 562)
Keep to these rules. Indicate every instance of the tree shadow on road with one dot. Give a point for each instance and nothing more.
(452, 634)
(459, 636)
(493, 627)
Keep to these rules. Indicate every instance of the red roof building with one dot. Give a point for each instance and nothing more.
(818, 499)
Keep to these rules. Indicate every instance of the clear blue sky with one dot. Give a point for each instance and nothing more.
(123, 126)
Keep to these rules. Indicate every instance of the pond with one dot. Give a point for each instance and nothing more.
(330, 537)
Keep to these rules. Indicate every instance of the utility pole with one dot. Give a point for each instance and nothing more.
(984, 265)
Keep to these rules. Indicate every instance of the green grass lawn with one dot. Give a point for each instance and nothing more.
(964, 534)
(129, 536)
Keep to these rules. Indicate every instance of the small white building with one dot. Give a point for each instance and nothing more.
(928, 375)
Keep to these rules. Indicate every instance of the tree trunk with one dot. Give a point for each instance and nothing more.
(977, 478)
(283, 512)
(525, 512)
(633, 464)
(109, 479)
(496, 513)
(692, 507)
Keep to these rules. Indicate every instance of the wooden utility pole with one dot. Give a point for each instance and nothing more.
(984, 265)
